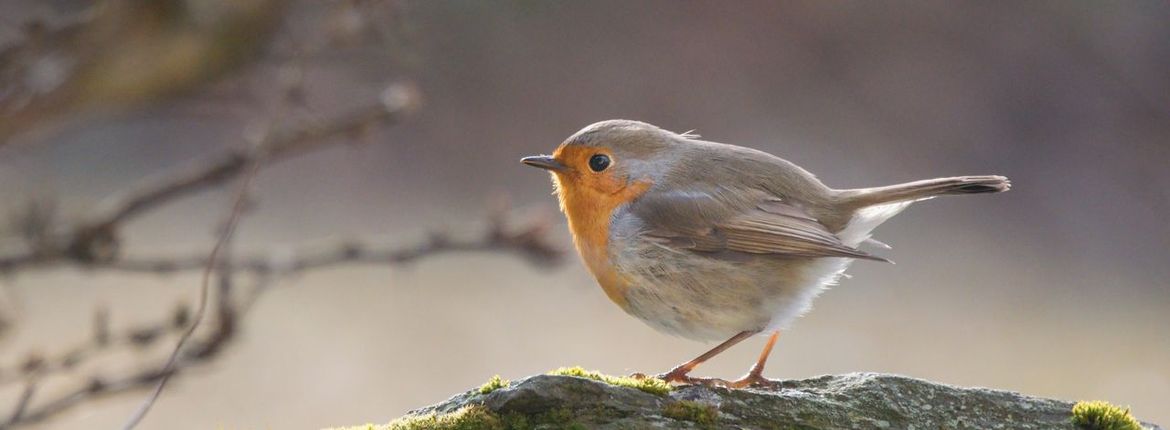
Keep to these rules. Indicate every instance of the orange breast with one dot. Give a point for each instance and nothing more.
(588, 211)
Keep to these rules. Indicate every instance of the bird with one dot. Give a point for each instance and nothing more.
(711, 241)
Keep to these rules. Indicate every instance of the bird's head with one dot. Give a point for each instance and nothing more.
(610, 162)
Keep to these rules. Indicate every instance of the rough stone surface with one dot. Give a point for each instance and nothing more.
(851, 401)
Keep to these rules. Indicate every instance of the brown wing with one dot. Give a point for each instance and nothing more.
(755, 223)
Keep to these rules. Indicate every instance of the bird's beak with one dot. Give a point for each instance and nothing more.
(543, 162)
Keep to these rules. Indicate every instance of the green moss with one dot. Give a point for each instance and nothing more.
(517, 421)
(560, 418)
(494, 384)
(474, 417)
(699, 413)
(478, 417)
(1099, 415)
(556, 416)
(649, 385)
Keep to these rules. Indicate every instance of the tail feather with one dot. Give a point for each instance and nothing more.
(925, 189)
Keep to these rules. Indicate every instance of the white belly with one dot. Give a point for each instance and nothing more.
(703, 298)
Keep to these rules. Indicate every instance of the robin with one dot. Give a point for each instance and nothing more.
(712, 241)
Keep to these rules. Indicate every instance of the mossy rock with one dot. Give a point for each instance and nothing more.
(703, 414)
(1100, 415)
(853, 401)
(649, 385)
(494, 384)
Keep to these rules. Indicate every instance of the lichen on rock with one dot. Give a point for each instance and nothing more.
(863, 401)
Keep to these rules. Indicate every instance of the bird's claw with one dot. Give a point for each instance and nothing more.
(754, 380)
(675, 376)
(751, 380)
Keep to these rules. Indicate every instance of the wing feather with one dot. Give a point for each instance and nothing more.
(752, 223)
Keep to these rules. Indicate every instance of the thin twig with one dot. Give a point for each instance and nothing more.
(30, 388)
(282, 146)
(233, 220)
(95, 241)
(528, 241)
(100, 386)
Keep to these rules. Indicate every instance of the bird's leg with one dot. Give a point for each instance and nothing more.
(755, 376)
(679, 374)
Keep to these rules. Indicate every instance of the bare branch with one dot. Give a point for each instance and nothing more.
(201, 351)
(233, 220)
(295, 142)
(18, 412)
(528, 241)
(90, 78)
(96, 240)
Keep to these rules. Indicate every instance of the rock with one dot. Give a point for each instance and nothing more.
(852, 401)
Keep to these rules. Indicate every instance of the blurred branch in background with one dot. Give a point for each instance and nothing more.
(231, 307)
(93, 244)
(122, 55)
(96, 242)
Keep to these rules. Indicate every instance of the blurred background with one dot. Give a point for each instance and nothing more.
(1059, 288)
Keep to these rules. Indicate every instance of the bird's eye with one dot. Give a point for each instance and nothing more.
(598, 162)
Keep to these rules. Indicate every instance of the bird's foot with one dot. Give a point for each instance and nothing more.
(681, 377)
(755, 380)
(678, 375)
